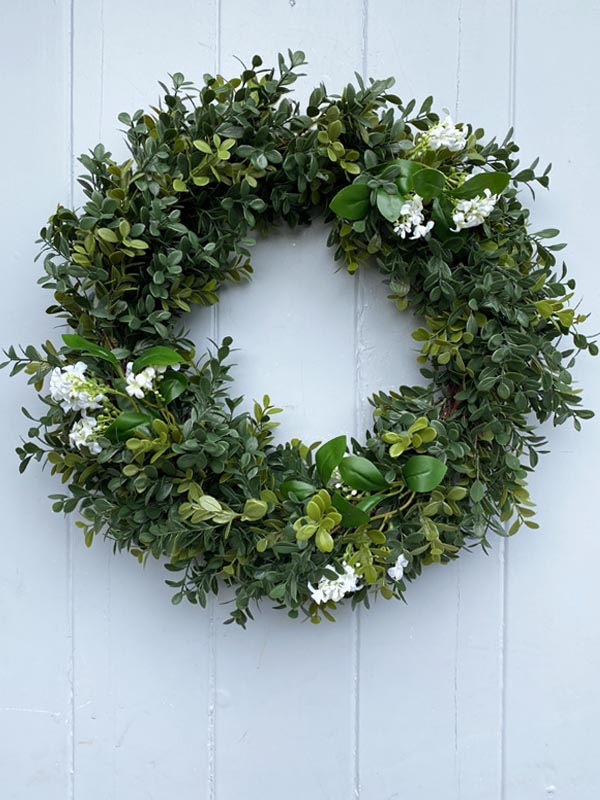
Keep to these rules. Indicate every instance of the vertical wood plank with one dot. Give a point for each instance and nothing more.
(442, 665)
(553, 640)
(141, 665)
(35, 721)
(285, 688)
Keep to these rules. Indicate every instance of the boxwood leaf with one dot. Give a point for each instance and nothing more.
(329, 455)
(352, 516)
(76, 342)
(496, 182)
(361, 474)
(423, 473)
(352, 202)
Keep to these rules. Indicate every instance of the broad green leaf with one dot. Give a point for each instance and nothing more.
(352, 516)
(361, 474)
(76, 342)
(299, 489)
(401, 170)
(428, 183)
(159, 356)
(329, 455)
(423, 473)
(369, 503)
(324, 541)
(172, 385)
(352, 202)
(120, 429)
(179, 185)
(496, 182)
(389, 205)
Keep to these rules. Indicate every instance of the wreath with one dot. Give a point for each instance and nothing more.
(154, 451)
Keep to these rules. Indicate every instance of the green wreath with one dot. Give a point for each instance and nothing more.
(154, 452)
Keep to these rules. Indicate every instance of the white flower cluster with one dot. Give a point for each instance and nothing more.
(82, 434)
(396, 571)
(446, 134)
(335, 589)
(70, 388)
(469, 213)
(411, 220)
(137, 384)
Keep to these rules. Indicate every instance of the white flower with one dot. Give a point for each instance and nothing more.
(469, 213)
(446, 134)
(138, 384)
(82, 434)
(396, 571)
(74, 392)
(335, 589)
(411, 219)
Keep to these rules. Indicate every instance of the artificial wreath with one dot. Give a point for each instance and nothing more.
(157, 455)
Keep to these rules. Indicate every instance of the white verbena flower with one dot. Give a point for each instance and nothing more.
(412, 219)
(334, 590)
(469, 213)
(396, 571)
(74, 392)
(82, 435)
(446, 134)
(137, 384)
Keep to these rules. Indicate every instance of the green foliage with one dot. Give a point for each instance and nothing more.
(174, 466)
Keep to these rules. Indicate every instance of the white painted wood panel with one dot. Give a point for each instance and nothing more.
(484, 686)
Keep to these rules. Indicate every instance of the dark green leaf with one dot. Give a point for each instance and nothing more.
(172, 385)
(423, 473)
(158, 356)
(428, 183)
(299, 489)
(352, 202)
(124, 424)
(352, 516)
(361, 474)
(76, 342)
(496, 182)
(329, 455)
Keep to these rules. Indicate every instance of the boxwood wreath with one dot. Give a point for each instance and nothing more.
(155, 452)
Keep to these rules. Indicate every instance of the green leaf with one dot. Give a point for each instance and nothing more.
(352, 516)
(428, 183)
(324, 541)
(361, 474)
(107, 235)
(254, 510)
(369, 503)
(172, 385)
(329, 455)
(423, 473)
(299, 489)
(477, 492)
(76, 342)
(352, 202)
(401, 170)
(159, 356)
(389, 205)
(124, 424)
(179, 185)
(496, 182)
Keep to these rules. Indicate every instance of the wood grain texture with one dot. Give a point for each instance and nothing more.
(484, 686)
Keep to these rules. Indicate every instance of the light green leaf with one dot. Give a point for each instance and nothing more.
(389, 205)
